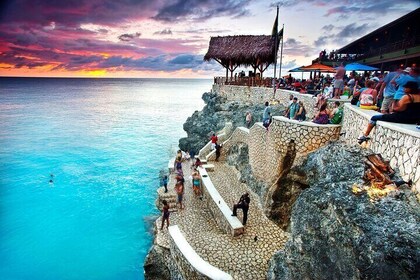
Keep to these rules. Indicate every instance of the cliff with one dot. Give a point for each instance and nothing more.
(306, 190)
(217, 111)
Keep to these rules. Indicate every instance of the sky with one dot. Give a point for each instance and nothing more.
(168, 39)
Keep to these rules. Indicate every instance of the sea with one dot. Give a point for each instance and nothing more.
(79, 169)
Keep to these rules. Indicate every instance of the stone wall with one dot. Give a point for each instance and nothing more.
(239, 135)
(190, 264)
(267, 148)
(221, 135)
(261, 94)
(218, 207)
(398, 143)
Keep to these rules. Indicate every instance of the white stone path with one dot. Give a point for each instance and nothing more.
(241, 257)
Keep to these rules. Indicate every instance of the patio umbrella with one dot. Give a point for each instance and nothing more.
(298, 69)
(318, 67)
(359, 67)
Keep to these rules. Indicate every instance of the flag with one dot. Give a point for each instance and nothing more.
(281, 33)
(275, 26)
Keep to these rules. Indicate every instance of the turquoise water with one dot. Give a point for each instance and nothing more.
(104, 141)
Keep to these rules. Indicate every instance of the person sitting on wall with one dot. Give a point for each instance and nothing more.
(406, 110)
(336, 114)
(301, 113)
(322, 117)
(368, 96)
(243, 204)
(292, 109)
(197, 163)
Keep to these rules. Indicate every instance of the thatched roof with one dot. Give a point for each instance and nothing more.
(242, 49)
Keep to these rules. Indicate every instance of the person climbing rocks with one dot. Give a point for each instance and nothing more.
(244, 205)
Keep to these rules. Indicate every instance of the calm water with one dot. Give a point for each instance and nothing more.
(104, 141)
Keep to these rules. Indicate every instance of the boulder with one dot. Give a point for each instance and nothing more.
(336, 234)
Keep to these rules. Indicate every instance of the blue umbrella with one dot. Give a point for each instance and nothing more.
(359, 67)
(296, 70)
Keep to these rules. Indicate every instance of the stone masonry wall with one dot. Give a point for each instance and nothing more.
(262, 94)
(240, 134)
(268, 147)
(398, 143)
(221, 135)
(217, 214)
(186, 270)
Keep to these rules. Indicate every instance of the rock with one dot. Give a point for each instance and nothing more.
(155, 265)
(213, 117)
(336, 234)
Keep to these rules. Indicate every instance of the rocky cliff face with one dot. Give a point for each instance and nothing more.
(213, 117)
(338, 235)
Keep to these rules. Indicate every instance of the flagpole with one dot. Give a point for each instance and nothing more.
(281, 52)
(275, 52)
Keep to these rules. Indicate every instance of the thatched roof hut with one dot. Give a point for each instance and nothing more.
(242, 50)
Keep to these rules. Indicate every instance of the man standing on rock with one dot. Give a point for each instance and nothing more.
(244, 205)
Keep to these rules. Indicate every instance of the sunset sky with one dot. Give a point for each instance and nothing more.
(168, 39)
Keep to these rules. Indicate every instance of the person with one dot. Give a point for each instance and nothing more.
(267, 112)
(248, 119)
(198, 162)
(179, 189)
(243, 204)
(218, 148)
(322, 117)
(338, 82)
(213, 141)
(368, 96)
(165, 214)
(346, 90)
(406, 110)
(196, 182)
(178, 165)
(165, 183)
(301, 113)
(387, 91)
(409, 74)
(292, 110)
(336, 114)
(267, 122)
(290, 100)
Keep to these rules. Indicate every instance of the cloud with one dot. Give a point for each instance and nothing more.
(202, 10)
(345, 8)
(343, 35)
(294, 47)
(328, 28)
(321, 41)
(290, 64)
(161, 62)
(129, 37)
(166, 31)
